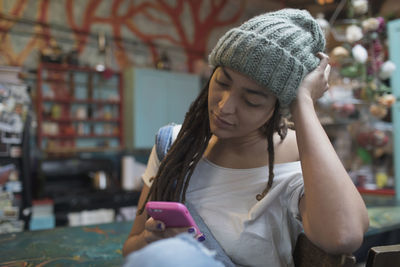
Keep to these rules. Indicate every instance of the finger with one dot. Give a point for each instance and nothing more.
(154, 225)
(322, 55)
(201, 238)
(327, 71)
(169, 232)
(150, 237)
(192, 231)
(324, 60)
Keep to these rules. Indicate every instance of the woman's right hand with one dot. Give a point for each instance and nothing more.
(315, 84)
(155, 230)
(146, 230)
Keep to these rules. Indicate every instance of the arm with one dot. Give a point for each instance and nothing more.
(146, 230)
(333, 212)
(135, 239)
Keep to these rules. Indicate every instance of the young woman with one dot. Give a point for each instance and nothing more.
(256, 183)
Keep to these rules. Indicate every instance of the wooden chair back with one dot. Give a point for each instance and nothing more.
(306, 254)
(383, 256)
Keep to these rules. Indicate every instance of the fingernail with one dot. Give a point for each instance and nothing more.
(159, 226)
(201, 238)
(191, 230)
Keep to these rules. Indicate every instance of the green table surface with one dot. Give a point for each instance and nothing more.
(95, 245)
(383, 213)
(101, 245)
(382, 219)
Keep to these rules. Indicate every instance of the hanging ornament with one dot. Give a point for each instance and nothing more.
(360, 54)
(340, 52)
(360, 7)
(387, 100)
(386, 70)
(378, 111)
(372, 139)
(376, 55)
(344, 109)
(353, 34)
(370, 24)
(382, 24)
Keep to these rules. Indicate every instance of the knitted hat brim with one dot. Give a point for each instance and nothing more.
(255, 50)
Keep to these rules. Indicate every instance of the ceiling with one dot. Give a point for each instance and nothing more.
(387, 8)
(375, 6)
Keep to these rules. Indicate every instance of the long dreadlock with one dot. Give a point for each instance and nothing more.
(275, 124)
(173, 176)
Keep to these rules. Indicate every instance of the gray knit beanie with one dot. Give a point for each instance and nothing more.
(276, 50)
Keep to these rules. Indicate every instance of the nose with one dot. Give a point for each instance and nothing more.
(227, 103)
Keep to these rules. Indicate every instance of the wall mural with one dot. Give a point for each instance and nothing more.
(119, 32)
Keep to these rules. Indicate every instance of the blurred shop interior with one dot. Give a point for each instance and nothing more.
(85, 85)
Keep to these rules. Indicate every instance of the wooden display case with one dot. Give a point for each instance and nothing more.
(154, 98)
(78, 109)
(393, 43)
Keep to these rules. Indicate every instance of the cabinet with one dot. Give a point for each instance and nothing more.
(15, 180)
(394, 52)
(78, 109)
(154, 98)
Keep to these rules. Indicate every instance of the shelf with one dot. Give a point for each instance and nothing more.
(61, 81)
(68, 120)
(82, 101)
(91, 200)
(388, 192)
(69, 150)
(68, 68)
(73, 136)
(48, 80)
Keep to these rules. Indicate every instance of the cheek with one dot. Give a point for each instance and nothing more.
(270, 110)
(213, 98)
(210, 100)
(257, 118)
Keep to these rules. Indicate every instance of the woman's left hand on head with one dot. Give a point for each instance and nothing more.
(315, 84)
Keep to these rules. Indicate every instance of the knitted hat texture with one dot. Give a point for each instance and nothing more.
(276, 49)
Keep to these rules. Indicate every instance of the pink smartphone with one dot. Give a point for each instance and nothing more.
(172, 214)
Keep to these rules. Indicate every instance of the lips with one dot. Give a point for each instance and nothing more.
(221, 122)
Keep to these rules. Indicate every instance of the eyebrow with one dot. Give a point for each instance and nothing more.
(248, 90)
(226, 74)
(255, 92)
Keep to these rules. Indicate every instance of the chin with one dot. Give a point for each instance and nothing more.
(220, 133)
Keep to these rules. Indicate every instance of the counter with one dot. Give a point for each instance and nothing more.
(95, 245)
(101, 245)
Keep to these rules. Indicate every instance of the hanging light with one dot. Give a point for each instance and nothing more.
(323, 23)
(101, 57)
(324, 2)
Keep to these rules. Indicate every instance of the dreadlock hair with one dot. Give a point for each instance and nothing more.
(276, 124)
(173, 175)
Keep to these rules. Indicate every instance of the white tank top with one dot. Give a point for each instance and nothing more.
(252, 233)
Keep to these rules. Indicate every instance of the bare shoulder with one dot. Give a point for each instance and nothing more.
(287, 151)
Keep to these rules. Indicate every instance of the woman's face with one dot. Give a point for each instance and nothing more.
(237, 106)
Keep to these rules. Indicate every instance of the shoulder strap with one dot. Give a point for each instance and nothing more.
(210, 242)
(164, 140)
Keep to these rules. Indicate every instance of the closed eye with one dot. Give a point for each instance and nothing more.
(222, 83)
(251, 104)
